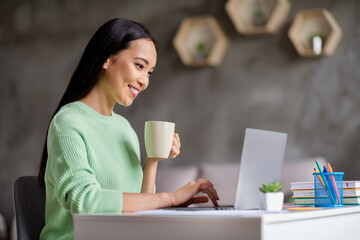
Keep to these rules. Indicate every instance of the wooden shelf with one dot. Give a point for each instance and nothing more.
(318, 22)
(200, 41)
(257, 16)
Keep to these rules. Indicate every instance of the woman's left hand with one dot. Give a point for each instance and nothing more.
(175, 149)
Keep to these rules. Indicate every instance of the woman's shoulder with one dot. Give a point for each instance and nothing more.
(68, 113)
(77, 116)
(69, 117)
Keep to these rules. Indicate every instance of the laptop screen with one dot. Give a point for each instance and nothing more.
(261, 162)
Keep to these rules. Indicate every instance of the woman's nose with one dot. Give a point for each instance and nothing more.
(144, 81)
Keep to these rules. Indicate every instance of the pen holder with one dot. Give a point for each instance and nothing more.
(328, 189)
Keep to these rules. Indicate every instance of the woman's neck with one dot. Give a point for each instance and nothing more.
(99, 101)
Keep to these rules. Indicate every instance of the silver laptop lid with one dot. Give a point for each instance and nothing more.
(261, 162)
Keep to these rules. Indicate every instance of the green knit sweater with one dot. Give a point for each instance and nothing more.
(92, 160)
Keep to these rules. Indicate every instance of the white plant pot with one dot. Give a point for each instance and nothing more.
(272, 201)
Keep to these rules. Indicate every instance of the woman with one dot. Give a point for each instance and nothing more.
(91, 157)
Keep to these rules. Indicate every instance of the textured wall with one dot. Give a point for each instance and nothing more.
(262, 83)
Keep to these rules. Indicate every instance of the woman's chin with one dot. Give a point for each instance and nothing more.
(125, 104)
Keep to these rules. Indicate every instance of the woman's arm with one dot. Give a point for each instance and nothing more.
(144, 201)
(149, 177)
(184, 196)
(150, 167)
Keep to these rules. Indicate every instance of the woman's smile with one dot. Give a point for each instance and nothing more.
(135, 91)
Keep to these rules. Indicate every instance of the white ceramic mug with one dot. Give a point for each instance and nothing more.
(158, 137)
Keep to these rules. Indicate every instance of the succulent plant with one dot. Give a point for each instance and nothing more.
(271, 187)
(201, 46)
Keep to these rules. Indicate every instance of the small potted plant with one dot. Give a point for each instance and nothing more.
(259, 13)
(201, 51)
(317, 43)
(272, 198)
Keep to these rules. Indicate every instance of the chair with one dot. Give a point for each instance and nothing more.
(29, 206)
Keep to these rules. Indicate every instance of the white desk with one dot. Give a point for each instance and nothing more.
(329, 224)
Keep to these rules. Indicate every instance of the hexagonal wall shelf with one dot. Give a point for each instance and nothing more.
(200, 41)
(311, 24)
(257, 16)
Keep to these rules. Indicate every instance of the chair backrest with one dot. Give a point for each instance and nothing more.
(29, 206)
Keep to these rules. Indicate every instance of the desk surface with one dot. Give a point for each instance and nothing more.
(333, 223)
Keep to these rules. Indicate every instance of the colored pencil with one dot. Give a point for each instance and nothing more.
(332, 178)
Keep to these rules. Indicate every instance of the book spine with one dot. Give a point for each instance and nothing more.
(306, 193)
(351, 185)
(346, 201)
(310, 185)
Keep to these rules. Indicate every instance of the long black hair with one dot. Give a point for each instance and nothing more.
(112, 37)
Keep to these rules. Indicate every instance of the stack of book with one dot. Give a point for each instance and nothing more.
(303, 193)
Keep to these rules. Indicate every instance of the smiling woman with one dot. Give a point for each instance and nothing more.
(91, 157)
(125, 75)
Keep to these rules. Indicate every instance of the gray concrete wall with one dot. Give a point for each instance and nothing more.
(262, 83)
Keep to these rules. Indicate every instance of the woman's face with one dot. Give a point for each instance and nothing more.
(127, 73)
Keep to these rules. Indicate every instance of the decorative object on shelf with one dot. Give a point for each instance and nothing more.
(272, 198)
(260, 17)
(315, 33)
(257, 16)
(200, 41)
(316, 43)
(201, 51)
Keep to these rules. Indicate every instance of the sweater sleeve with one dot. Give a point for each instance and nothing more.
(75, 184)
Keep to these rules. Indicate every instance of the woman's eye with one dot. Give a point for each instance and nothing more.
(139, 65)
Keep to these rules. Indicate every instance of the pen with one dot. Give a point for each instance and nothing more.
(331, 187)
(332, 178)
(323, 183)
(322, 176)
(321, 180)
(317, 164)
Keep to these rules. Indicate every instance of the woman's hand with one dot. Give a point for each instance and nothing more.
(175, 149)
(185, 195)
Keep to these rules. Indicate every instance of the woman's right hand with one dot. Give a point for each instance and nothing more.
(185, 195)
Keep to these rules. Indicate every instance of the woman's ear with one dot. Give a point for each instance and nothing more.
(106, 63)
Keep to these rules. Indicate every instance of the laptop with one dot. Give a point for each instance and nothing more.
(261, 162)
